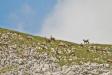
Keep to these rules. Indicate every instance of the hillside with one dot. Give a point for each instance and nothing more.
(24, 54)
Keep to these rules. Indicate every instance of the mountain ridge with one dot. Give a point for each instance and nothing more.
(24, 54)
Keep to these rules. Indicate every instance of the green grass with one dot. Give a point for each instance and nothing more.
(65, 57)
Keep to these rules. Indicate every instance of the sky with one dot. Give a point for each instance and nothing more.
(24, 15)
(71, 20)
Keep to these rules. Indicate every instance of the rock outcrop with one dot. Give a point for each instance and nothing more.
(22, 54)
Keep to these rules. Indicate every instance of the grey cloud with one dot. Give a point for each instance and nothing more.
(74, 20)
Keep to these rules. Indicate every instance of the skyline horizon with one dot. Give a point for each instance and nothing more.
(71, 20)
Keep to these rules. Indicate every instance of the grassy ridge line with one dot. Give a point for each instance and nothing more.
(65, 57)
(41, 38)
(26, 34)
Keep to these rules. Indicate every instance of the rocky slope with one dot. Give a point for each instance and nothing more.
(23, 54)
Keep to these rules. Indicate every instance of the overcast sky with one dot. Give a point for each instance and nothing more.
(75, 20)
(71, 20)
